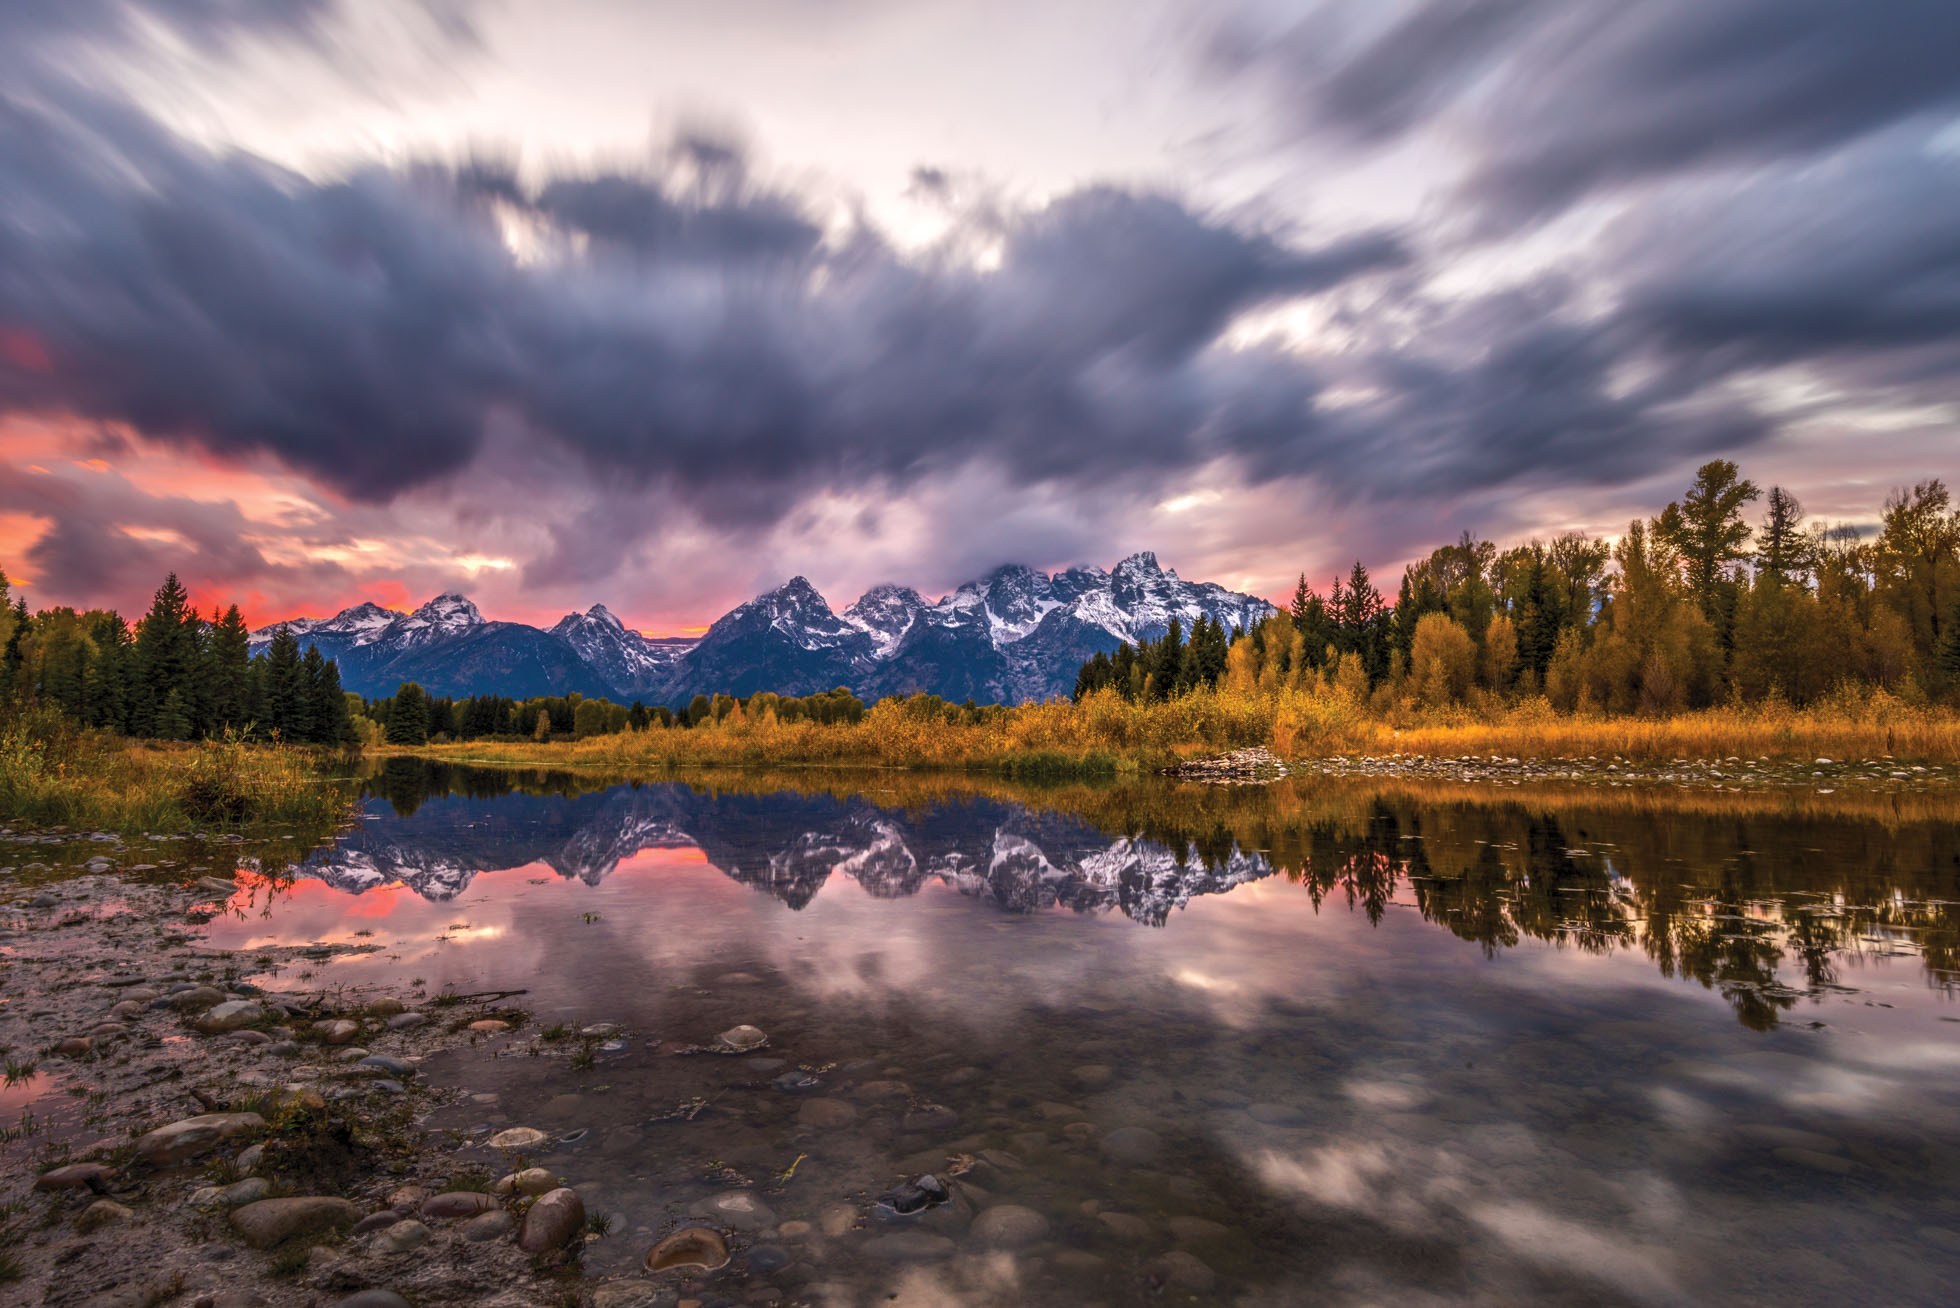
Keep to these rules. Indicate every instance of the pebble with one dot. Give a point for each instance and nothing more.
(229, 1016)
(74, 1046)
(269, 1221)
(196, 999)
(339, 1031)
(487, 1226)
(216, 885)
(1125, 1226)
(518, 1137)
(737, 1209)
(695, 1246)
(386, 1007)
(74, 1176)
(600, 1031)
(195, 1135)
(1197, 1230)
(914, 1196)
(393, 1066)
(1009, 1226)
(742, 1038)
(1132, 1146)
(555, 1219)
(532, 1180)
(826, 1114)
(457, 1203)
(622, 1294)
(101, 1213)
(402, 1236)
(406, 1021)
(766, 1258)
(489, 1026)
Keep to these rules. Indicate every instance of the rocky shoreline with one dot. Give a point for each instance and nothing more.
(176, 1134)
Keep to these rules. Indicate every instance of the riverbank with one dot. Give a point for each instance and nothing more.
(175, 1133)
(53, 774)
(1104, 736)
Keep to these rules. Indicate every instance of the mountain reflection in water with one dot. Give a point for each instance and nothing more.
(1767, 899)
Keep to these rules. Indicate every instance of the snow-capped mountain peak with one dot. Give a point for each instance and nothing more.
(885, 613)
(447, 610)
(600, 613)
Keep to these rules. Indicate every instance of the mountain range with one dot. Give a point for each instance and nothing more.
(1012, 636)
(784, 845)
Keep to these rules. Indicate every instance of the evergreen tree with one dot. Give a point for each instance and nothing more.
(408, 722)
(164, 660)
(1168, 665)
(285, 687)
(1784, 549)
(228, 672)
(316, 719)
(13, 663)
(107, 688)
(172, 720)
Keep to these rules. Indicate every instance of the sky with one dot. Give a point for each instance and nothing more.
(658, 304)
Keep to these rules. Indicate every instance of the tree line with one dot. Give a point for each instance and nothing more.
(175, 675)
(411, 716)
(1690, 608)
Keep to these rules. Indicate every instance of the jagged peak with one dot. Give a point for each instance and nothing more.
(449, 609)
(1141, 561)
(600, 613)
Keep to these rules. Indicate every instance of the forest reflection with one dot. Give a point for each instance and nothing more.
(1766, 897)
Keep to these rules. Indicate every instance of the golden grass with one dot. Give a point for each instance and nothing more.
(53, 775)
(1105, 736)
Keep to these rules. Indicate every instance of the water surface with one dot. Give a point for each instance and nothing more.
(1328, 1041)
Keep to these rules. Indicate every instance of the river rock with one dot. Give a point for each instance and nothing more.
(197, 999)
(75, 1176)
(915, 1196)
(1125, 1226)
(1091, 1076)
(386, 1007)
(742, 1038)
(696, 1246)
(338, 1032)
(489, 1026)
(250, 1190)
(400, 1237)
(249, 1158)
(269, 1221)
(623, 1294)
(1197, 1230)
(457, 1203)
(128, 1010)
(351, 1054)
(1181, 1270)
(1009, 1226)
(74, 1046)
(518, 1137)
(931, 1117)
(407, 1021)
(194, 1136)
(229, 1016)
(532, 1180)
(826, 1114)
(487, 1226)
(385, 1063)
(215, 885)
(555, 1219)
(737, 1209)
(101, 1213)
(1132, 1146)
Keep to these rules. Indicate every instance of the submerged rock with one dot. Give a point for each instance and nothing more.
(194, 1136)
(742, 1038)
(915, 1196)
(696, 1246)
(518, 1137)
(1009, 1226)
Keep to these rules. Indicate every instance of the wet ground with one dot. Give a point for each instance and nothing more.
(1335, 1040)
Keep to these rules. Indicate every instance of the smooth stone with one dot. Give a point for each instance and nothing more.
(249, 1190)
(457, 1203)
(351, 1054)
(74, 1177)
(195, 1135)
(909, 1247)
(373, 1299)
(1182, 1270)
(600, 1031)
(338, 1032)
(402, 1236)
(249, 1158)
(826, 1114)
(74, 1046)
(269, 1221)
(386, 1007)
(230, 1016)
(216, 885)
(197, 999)
(743, 1037)
(393, 1066)
(1276, 1115)
(794, 1230)
(764, 1066)
(1125, 1226)
(1009, 1226)
(1132, 1146)
(796, 1080)
(915, 1196)
(767, 1258)
(518, 1137)
(555, 1219)
(931, 1117)
(253, 1038)
(489, 1026)
(101, 1213)
(875, 1090)
(487, 1227)
(532, 1181)
(737, 1209)
(380, 1221)
(406, 1021)
(695, 1246)
(128, 1009)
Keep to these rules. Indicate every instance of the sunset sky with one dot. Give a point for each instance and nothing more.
(657, 304)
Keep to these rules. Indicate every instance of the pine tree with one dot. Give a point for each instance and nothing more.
(108, 691)
(1168, 667)
(163, 659)
(13, 663)
(327, 714)
(1706, 529)
(408, 722)
(228, 672)
(285, 687)
(1784, 551)
(172, 720)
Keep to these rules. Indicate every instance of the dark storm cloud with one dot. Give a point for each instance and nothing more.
(1561, 100)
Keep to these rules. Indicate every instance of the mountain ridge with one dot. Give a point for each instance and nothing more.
(1014, 635)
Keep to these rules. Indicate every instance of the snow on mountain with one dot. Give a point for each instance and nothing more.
(442, 617)
(360, 624)
(627, 660)
(885, 613)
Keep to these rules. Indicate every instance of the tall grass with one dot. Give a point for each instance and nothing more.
(1106, 736)
(53, 774)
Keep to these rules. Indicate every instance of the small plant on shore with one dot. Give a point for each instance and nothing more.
(556, 1031)
(584, 1059)
(19, 1073)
